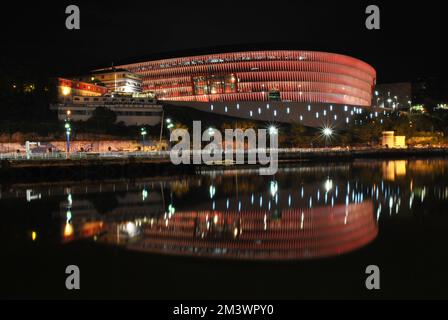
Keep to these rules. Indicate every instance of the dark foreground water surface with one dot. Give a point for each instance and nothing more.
(309, 232)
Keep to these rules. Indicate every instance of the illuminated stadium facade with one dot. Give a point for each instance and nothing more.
(312, 88)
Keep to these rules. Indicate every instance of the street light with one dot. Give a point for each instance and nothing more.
(327, 132)
(68, 130)
(143, 132)
(211, 132)
(273, 131)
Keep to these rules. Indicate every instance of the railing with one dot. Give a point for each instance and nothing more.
(163, 155)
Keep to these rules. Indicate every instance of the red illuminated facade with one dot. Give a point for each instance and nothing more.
(287, 76)
(298, 234)
(68, 87)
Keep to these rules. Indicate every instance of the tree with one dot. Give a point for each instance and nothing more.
(103, 118)
(297, 135)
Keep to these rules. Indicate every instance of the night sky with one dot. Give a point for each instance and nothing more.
(411, 43)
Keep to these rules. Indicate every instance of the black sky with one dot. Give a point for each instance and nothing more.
(410, 44)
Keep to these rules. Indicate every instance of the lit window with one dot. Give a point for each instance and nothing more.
(335, 117)
(309, 108)
(259, 110)
(288, 111)
(251, 114)
(345, 108)
(268, 106)
(225, 109)
(275, 113)
(212, 107)
(317, 115)
(325, 113)
(331, 108)
(301, 118)
(347, 120)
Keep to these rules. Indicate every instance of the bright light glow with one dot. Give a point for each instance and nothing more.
(131, 229)
(274, 188)
(328, 185)
(327, 132)
(212, 192)
(68, 230)
(144, 194)
(273, 131)
(34, 236)
(66, 91)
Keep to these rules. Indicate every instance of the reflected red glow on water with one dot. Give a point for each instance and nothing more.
(294, 234)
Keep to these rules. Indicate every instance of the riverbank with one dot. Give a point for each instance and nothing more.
(147, 165)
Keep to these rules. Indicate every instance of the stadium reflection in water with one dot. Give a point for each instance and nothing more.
(306, 212)
(275, 223)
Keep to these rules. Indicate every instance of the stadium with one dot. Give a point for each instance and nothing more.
(311, 88)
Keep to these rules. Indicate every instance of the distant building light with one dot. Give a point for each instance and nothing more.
(418, 109)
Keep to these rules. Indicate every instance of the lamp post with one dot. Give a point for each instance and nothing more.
(170, 127)
(68, 130)
(273, 131)
(143, 133)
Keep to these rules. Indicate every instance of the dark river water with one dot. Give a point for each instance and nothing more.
(308, 232)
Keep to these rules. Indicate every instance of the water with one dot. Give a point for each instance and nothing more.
(309, 232)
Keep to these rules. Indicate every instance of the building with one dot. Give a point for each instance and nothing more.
(69, 88)
(77, 100)
(312, 88)
(395, 96)
(390, 140)
(116, 80)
